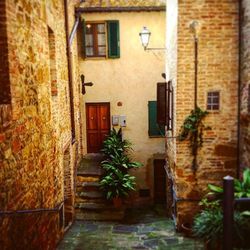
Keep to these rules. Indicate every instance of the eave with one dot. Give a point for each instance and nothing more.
(120, 9)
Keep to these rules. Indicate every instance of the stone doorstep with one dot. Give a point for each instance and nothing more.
(93, 206)
(101, 216)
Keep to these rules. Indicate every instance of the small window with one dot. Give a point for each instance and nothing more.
(154, 129)
(101, 39)
(213, 100)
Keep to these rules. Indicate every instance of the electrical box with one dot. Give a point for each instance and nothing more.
(123, 122)
(115, 120)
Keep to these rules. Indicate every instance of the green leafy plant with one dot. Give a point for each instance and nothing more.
(208, 224)
(192, 129)
(241, 188)
(116, 181)
(117, 184)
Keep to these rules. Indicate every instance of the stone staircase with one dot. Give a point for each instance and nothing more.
(90, 203)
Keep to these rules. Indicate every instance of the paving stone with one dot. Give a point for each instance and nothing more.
(158, 234)
(91, 227)
(125, 229)
(170, 241)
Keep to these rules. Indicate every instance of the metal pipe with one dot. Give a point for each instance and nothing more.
(70, 73)
(74, 29)
(195, 71)
(228, 212)
(239, 90)
(29, 211)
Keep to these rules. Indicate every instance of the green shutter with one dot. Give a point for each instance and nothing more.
(113, 39)
(154, 130)
(83, 38)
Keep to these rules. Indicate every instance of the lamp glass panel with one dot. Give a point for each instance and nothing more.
(144, 39)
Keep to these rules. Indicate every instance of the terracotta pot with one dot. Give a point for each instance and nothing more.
(117, 202)
(186, 228)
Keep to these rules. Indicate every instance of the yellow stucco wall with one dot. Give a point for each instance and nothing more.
(131, 79)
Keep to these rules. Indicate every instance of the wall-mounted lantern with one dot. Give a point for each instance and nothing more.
(145, 36)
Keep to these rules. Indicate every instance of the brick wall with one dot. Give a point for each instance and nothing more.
(33, 141)
(217, 71)
(245, 87)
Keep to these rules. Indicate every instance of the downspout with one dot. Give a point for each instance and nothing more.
(239, 90)
(70, 73)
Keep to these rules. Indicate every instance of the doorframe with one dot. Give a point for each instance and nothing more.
(85, 107)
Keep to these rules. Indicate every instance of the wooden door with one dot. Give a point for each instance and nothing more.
(159, 182)
(98, 125)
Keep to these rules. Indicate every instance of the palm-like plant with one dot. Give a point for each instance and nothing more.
(116, 181)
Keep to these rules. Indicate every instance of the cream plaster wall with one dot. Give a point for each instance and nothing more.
(131, 79)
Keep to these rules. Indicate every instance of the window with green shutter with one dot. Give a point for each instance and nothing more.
(154, 130)
(101, 39)
(113, 39)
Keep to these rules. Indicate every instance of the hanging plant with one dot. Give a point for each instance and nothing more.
(192, 130)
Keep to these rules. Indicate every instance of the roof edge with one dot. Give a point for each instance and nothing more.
(120, 9)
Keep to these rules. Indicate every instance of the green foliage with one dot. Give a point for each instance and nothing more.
(192, 129)
(116, 182)
(241, 188)
(208, 224)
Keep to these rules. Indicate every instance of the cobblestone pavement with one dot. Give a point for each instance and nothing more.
(140, 229)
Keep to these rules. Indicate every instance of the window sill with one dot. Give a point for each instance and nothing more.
(156, 136)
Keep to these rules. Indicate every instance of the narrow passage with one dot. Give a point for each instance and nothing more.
(142, 229)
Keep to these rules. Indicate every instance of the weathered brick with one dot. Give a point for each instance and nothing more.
(217, 71)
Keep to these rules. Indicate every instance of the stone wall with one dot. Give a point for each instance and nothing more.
(217, 71)
(35, 129)
(245, 86)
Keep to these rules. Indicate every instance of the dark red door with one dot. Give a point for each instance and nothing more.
(159, 182)
(98, 125)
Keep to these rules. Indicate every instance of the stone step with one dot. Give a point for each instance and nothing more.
(90, 194)
(98, 172)
(87, 186)
(106, 215)
(81, 179)
(79, 200)
(94, 206)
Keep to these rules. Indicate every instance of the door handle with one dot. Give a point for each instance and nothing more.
(92, 118)
(104, 118)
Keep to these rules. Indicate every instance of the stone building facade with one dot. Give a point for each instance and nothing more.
(217, 71)
(128, 82)
(39, 146)
(245, 86)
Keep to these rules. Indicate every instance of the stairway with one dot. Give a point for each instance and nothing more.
(90, 203)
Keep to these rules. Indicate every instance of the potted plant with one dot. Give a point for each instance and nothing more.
(116, 181)
(208, 224)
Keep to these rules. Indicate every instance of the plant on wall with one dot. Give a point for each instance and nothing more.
(192, 129)
(116, 181)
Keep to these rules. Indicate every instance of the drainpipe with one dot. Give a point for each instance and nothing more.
(239, 90)
(70, 73)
